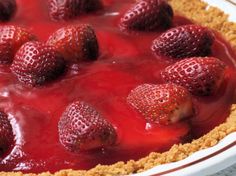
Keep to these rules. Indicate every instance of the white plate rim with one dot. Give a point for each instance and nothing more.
(213, 159)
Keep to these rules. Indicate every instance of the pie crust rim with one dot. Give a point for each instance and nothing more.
(203, 14)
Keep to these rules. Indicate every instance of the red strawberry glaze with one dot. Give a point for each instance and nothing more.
(125, 62)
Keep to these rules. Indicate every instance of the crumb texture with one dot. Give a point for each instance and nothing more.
(211, 17)
(208, 16)
(176, 153)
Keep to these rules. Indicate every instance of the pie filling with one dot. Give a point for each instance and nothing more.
(125, 61)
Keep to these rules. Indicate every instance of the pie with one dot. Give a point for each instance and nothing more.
(106, 87)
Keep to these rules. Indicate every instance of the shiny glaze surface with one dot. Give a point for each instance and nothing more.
(125, 61)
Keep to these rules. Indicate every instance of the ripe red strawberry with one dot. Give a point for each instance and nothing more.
(164, 103)
(68, 9)
(36, 63)
(184, 41)
(82, 128)
(6, 133)
(75, 43)
(200, 75)
(147, 15)
(11, 39)
(7, 9)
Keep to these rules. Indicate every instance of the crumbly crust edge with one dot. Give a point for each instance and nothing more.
(208, 16)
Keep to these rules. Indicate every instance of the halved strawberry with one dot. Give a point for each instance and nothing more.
(184, 41)
(82, 128)
(200, 75)
(11, 39)
(147, 15)
(36, 63)
(67, 9)
(6, 133)
(75, 43)
(164, 103)
(7, 9)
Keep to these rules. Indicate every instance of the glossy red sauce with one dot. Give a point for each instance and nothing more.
(125, 61)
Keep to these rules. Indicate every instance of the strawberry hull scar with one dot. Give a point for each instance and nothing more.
(164, 103)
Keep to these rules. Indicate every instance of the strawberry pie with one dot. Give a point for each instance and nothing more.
(99, 87)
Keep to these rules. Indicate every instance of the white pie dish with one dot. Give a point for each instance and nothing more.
(211, 160)
(204, 162)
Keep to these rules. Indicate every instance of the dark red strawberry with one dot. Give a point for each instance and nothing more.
(7, 9)
(147, 15)
(82, 128)
(68, 9)
(36, 63)
(11, 39)
(6, 133)
(164, 103)
(75, 43)
(200, 75)
(184, 41)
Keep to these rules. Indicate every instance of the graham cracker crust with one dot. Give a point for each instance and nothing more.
(208, 16)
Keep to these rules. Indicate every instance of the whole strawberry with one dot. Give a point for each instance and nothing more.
(6, 133)
(7, 9)
(164, 103)
(82, 128)
(184, 41)
(68, 9)
(11, 39)
(36, 63)
(200, 75)
(147, 15)
(75, 43)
